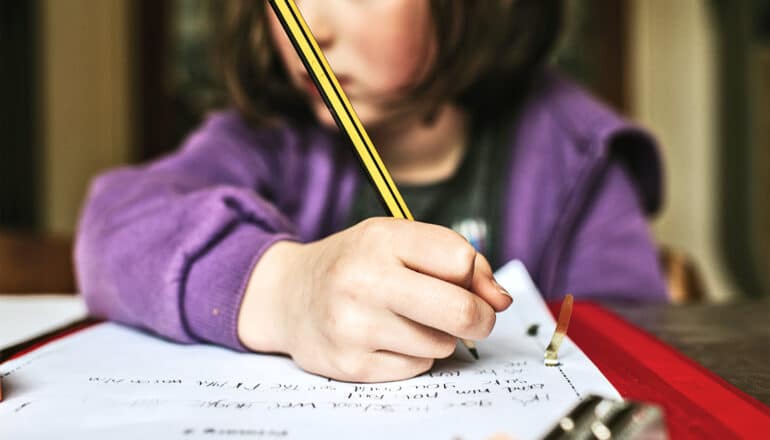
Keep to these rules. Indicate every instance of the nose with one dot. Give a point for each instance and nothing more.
(315, 14)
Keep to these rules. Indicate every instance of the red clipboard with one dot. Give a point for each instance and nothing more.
(697, 403)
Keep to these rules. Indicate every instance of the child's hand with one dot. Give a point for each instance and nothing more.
(376, 302)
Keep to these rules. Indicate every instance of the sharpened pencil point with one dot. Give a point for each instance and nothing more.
(471, 346)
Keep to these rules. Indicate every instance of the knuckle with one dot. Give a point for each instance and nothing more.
(364, 334)
(423, 365)
(463, 258)
(467, 315)
(349, 278)
(337, 271)
(336, 326)
(353, 368)
(445, 347)
(347, 325)
(359, 284)
(375, 227)
(333, 330)
(488, 323)
(363, 278)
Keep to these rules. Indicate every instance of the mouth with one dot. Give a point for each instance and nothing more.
(310, 88)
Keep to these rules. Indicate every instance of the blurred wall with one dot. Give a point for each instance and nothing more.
(86, 107)
(674, 91)
(85, 94)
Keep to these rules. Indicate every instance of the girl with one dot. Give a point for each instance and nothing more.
(257, 234)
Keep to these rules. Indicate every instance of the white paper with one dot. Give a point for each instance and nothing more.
(25, 316)
(114, 382)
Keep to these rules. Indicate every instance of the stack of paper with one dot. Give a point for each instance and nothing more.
(114, 382)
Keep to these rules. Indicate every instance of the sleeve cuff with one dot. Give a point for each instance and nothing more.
(217, 281)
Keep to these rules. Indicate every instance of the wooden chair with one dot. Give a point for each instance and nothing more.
(685, 283)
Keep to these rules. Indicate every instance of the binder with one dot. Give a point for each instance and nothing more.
(697, 403)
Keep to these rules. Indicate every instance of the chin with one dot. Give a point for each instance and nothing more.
(325, 117)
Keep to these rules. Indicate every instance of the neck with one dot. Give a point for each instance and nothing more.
(417, 152)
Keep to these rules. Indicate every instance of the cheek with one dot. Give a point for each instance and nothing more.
(395, 48)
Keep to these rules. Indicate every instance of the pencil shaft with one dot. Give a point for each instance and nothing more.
(9, 352)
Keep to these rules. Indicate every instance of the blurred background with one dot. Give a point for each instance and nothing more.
(90, 84)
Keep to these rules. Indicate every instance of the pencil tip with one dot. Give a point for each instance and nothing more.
(474, 352)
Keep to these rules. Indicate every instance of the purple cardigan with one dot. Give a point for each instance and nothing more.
(169, 246)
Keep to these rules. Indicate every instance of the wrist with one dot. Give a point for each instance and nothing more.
(262, 323)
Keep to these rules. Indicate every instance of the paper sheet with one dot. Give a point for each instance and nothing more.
(25, 316)
(114, 382)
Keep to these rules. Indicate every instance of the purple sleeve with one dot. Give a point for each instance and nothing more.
(612, 254)
(169, 246)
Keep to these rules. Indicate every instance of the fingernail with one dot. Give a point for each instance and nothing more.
(501, 289)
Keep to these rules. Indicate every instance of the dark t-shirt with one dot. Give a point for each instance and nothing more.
(467, 202)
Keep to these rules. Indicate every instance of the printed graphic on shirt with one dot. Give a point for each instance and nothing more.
(475, 231)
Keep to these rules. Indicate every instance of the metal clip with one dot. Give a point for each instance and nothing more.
(603, 419)
(552, 352)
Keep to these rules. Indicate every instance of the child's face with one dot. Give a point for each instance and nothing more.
(377, 48)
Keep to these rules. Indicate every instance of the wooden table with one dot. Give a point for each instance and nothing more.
(732, 340)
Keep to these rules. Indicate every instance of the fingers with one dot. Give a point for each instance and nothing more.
(485, 285)
(363, 366)
(374, 329)
(396, 366)
(412, 339)
(441, 253)
(379, 366)
(437, 304)
(425, 248)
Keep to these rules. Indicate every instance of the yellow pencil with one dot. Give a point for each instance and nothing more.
(342, 112)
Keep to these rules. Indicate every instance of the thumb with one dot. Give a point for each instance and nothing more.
(486, 287)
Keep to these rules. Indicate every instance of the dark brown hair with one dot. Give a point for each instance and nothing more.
(488, 52)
